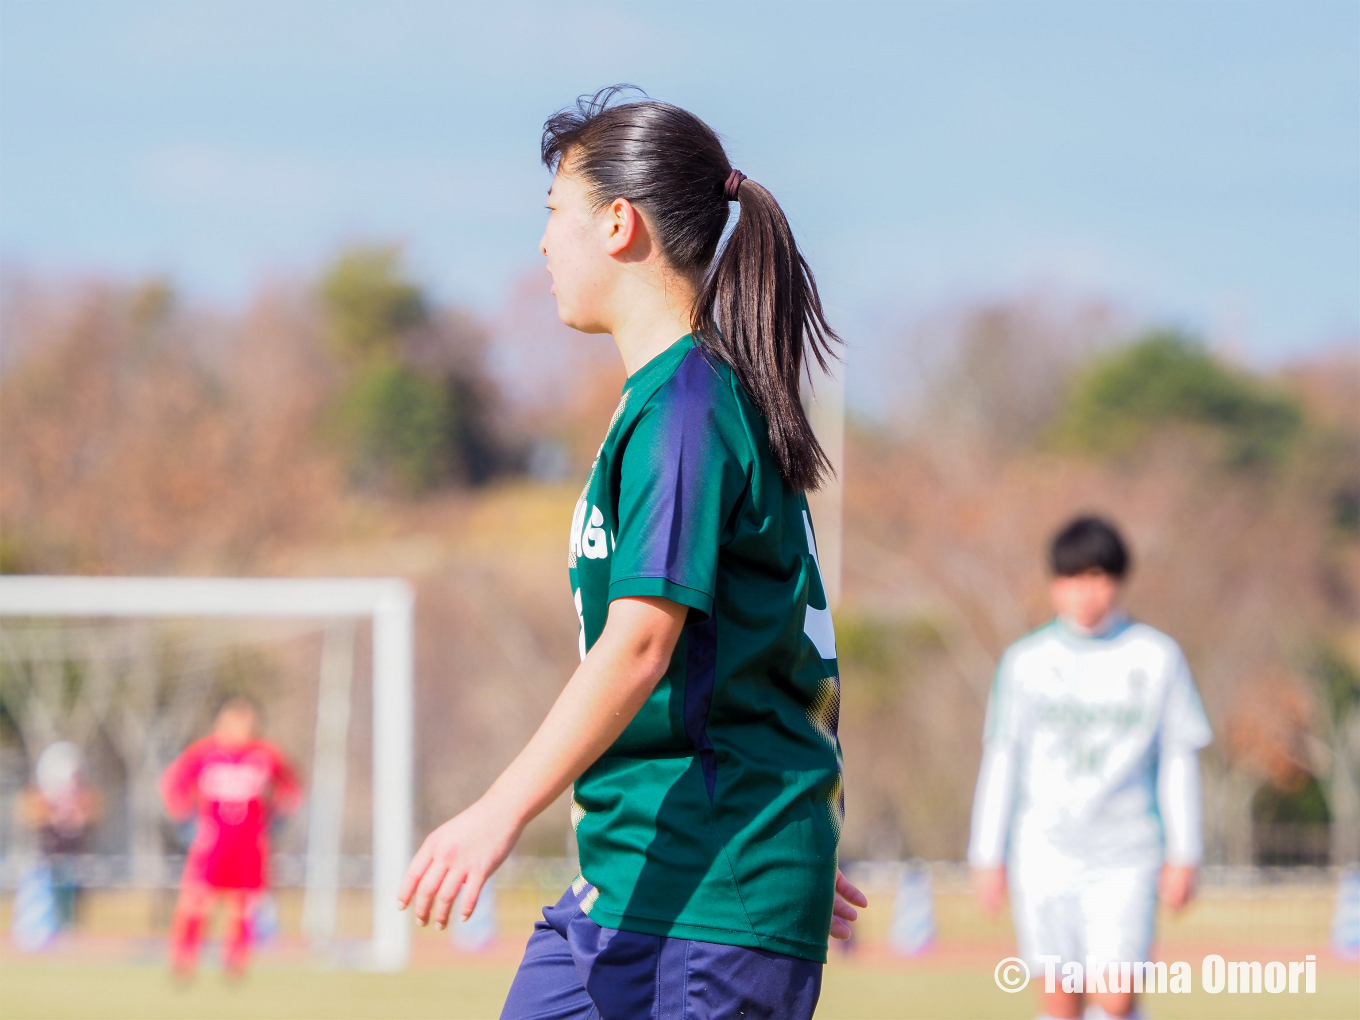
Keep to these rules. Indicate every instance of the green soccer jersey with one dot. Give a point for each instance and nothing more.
(716, 814)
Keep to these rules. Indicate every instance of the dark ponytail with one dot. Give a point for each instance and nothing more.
(758, 305)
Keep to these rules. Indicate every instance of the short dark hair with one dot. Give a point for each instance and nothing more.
(1088, 543)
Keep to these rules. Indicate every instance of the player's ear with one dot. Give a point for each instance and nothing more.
(621, 226)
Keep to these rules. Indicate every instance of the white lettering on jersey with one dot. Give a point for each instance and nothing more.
(574, 540)
(588, 536)
(817, 623)
(225, 781)
(593, 543)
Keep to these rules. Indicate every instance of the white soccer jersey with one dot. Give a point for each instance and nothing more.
(1083, 722)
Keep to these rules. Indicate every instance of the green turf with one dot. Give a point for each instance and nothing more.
(468, 991)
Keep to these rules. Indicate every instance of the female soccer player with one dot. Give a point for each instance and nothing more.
(700, 727)
(237, 782)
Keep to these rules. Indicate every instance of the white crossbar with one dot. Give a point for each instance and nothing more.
(199, 596)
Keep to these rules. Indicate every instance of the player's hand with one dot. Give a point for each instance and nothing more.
(990, 886)
(461, 853)
(1176, 884)
(843, 914)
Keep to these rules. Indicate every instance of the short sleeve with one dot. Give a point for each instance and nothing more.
(1002, 727)
(680, 478)
(179, 782)
(287, 790)
(1185, 726)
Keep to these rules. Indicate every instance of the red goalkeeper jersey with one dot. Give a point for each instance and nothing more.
(236, 790)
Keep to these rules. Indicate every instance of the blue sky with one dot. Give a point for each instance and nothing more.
(1195, 162)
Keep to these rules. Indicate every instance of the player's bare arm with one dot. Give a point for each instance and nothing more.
(1176, 885)
(611, 684)
(603, 695)
(989, 885)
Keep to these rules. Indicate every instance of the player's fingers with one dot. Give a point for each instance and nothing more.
(849, 891)
(425, 892)
(472, 889)
(444, 899)
(844, 911)
(839, 929)
(414, 871)
(409, 881)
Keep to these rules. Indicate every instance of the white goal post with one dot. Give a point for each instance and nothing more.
(387, 602)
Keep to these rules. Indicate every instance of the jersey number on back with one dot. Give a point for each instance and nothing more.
(817, 623)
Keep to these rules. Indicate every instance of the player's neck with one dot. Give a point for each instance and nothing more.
(657, 314)
(1107, 623)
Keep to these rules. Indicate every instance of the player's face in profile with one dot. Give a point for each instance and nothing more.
(235, 725)
(575, 243)
(1086, 598)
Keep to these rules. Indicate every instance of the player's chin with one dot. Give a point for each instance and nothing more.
(578, 318)
(567, 311)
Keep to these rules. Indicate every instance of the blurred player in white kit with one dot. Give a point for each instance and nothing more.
(1088, 797)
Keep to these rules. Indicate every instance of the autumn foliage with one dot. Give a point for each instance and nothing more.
(353, 426)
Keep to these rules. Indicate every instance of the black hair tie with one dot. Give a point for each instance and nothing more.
(733, 185)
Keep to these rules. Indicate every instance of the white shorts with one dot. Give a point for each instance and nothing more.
(1106, 914)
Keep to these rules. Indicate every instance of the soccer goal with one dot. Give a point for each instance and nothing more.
(134, 661)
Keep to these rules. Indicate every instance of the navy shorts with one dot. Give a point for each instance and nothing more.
(575, 970)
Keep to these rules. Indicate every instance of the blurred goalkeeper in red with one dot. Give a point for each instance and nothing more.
(235, 783)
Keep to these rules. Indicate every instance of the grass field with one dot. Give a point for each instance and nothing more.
(471, 990)
(115, 969)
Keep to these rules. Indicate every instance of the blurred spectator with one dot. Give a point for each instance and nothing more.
(61, 810)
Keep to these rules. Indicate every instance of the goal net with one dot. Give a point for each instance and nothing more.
(124, 672)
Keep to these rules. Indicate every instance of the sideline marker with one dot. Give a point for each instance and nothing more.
(913, 923)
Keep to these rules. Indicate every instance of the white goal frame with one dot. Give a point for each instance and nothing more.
(387, 602)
